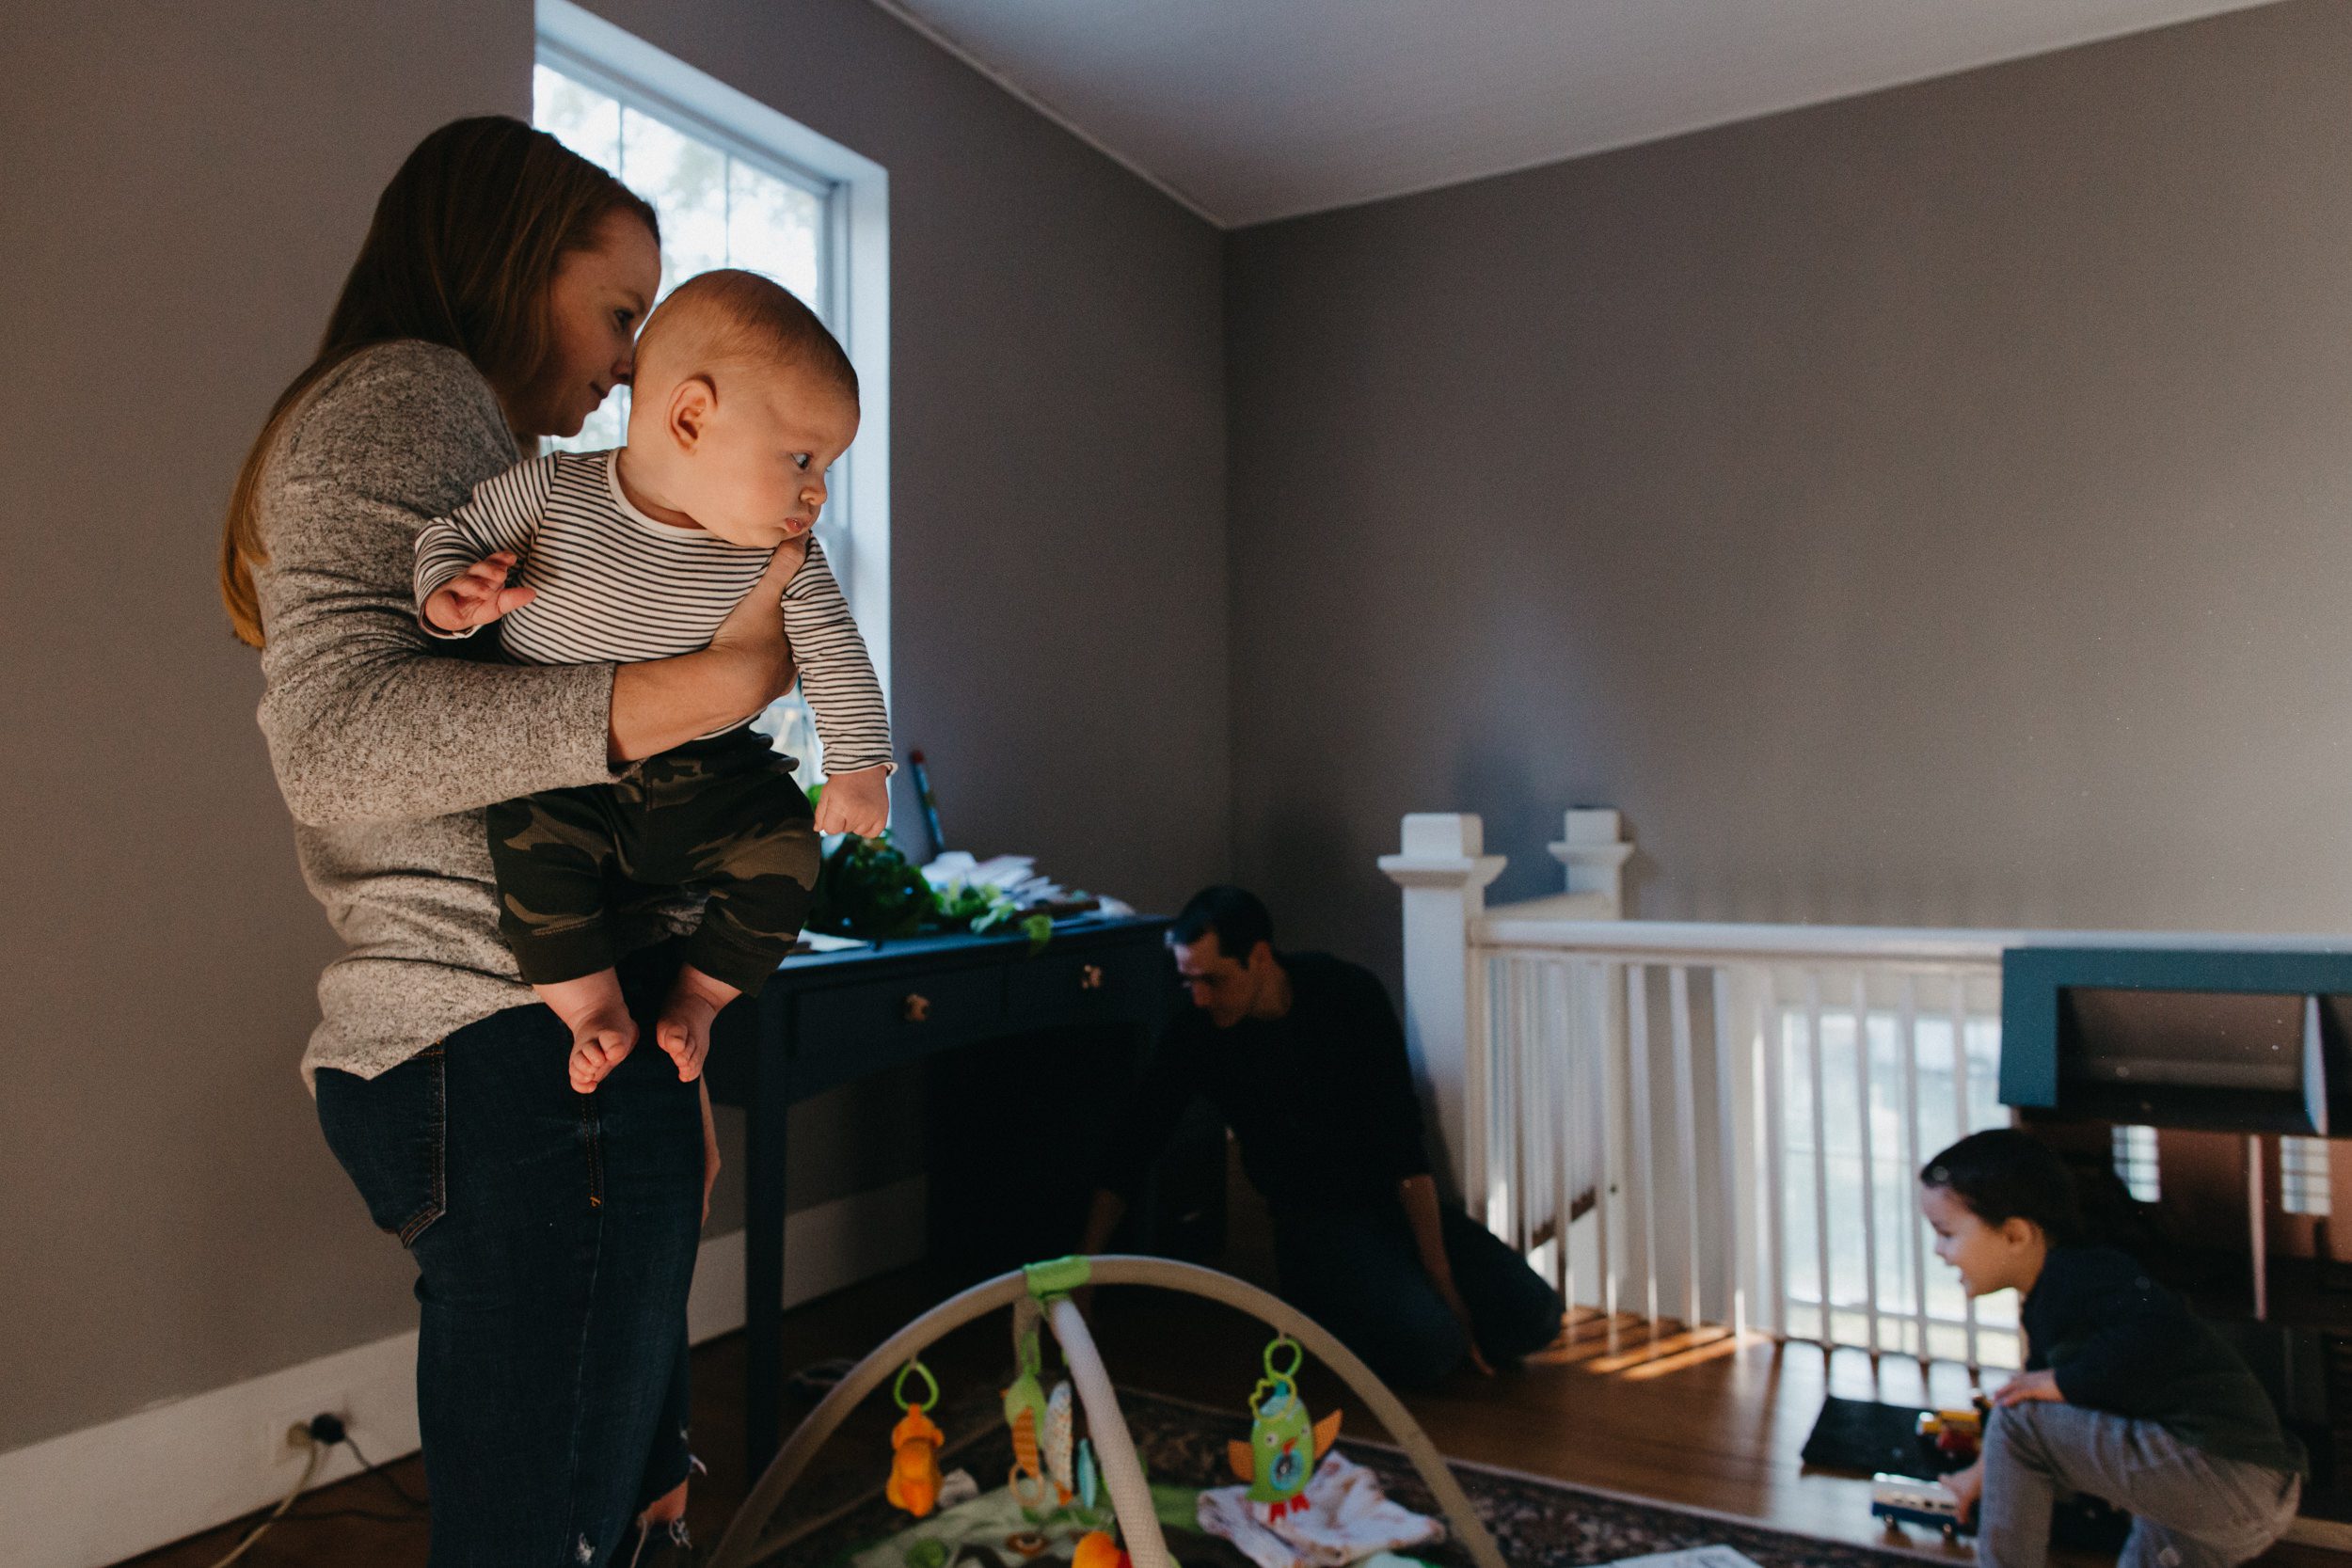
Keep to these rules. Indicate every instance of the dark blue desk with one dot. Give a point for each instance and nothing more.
(829, 1019)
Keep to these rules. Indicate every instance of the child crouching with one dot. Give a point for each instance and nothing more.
(2125, 1396)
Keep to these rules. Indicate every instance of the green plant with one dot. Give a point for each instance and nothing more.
(868, 888)
(981, 909)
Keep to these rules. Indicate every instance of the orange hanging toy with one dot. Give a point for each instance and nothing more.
(914, 1484)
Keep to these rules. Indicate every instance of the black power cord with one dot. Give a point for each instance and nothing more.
(367, 1466)
(325, 1432)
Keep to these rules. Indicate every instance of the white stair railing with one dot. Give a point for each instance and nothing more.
(1716, 1124)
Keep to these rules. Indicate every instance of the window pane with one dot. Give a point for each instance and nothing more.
(687, 182)
(772, 229)
(2135, 1155)
(2303, 1176)
(580, 117)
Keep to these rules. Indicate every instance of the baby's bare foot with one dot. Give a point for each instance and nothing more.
(684, 1028)
(599, 1044)
(603, 1034)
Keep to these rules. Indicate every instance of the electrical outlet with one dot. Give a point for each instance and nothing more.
(287, 1440)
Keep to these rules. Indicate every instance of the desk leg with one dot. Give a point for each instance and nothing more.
(763, 1264)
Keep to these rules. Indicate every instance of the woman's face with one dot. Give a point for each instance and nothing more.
(598, 300)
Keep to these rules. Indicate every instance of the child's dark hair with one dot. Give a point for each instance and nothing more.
(2002, 1174)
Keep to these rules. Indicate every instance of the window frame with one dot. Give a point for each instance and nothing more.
(856, 192)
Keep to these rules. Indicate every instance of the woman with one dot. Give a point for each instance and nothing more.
(495, 300)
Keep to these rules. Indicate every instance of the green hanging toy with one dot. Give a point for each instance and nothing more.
(1284, 1445)
(1024, 1413)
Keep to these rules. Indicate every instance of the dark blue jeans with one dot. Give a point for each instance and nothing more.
(1357, 1273)
(554, 1235)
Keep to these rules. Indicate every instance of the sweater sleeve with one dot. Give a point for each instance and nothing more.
(503, 513)
(836, 675)
(363, 719)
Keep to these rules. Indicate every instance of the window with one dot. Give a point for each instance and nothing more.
(2303, 1176)
(2135, 1155)
(737, 185)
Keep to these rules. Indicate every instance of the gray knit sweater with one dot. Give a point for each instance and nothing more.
(385, 747)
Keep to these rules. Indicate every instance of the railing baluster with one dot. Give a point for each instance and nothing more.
(1907, 1042)
(1686, 1136)
(1772, 1061)
(1727, 1154)
(1568, 1145)
(1959, 1111)
(1478, 1037)
(1596, 993)
(1638, 1077)
(1536, 1158)
(1869, 1157)
(1820, 1145)
(1522, 1200)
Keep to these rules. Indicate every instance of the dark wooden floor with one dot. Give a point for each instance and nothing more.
(1696, 1418)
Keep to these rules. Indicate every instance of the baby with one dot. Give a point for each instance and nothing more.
(741, 401)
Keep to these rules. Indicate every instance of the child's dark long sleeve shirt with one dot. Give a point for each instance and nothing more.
(2118, 1342)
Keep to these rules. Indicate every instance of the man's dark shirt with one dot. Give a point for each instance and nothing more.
(1321, 1100)
(2118, 1342)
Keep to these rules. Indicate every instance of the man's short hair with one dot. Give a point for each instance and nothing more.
(1235, 914)
(729, 315)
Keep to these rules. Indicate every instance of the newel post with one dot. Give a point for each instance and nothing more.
(1593, 851)
(1444, 870)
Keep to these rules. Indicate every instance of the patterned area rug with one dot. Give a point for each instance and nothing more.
(1537, 1523)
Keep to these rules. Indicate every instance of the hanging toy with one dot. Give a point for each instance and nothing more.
(1090, 1477)
(914, 1484)
(1025, 1413)
(1096, 1549)
(1061, 1430)
(1284, 1446)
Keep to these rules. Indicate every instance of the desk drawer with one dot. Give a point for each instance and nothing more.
(843, 1032)
(1081, 986)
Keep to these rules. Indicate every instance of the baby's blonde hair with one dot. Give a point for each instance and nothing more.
(730, 317)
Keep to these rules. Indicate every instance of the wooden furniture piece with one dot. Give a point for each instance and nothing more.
(828, 1018)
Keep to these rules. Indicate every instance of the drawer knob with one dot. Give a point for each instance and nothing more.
(1091, 977)
(918, 1007)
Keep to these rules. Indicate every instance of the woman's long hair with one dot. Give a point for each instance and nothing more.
(464, 244)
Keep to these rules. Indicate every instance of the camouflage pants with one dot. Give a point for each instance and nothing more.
(720, 816)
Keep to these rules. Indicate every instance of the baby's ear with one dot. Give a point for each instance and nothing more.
(691, 403)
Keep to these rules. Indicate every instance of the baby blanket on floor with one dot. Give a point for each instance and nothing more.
(1347, 1518)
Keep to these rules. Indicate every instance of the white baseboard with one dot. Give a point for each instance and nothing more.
(95, 1497)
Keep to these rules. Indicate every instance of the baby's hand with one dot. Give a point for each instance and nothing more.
(478, 597)
(855, 802)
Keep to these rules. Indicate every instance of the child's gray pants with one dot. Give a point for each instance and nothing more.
(2189, 1510)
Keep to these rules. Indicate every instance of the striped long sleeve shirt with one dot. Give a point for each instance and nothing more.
(614, 585)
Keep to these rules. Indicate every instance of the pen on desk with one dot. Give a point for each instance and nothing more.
(930, 807)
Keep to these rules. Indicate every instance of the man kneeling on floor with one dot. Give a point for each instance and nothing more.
(1303, 1056)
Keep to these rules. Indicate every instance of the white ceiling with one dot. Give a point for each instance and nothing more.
(1246, 110)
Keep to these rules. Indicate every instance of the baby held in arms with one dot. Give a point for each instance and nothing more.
(742, 401)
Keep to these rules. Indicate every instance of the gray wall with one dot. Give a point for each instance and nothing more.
(1930, 508)
(181, 198)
